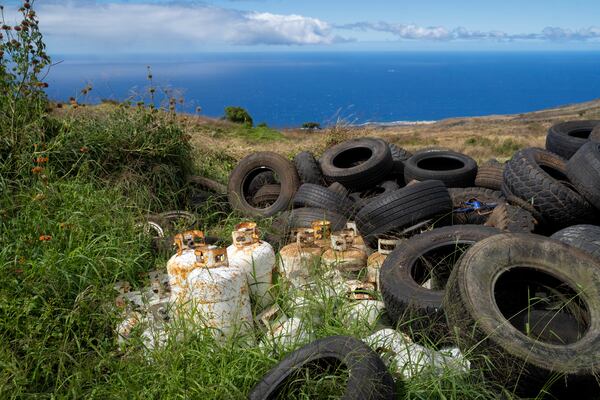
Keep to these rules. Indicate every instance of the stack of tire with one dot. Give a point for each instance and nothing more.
(536, 241)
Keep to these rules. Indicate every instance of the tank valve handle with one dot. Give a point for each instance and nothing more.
(188, 240)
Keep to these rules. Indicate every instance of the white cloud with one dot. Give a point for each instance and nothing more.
(175, 26)
(440, 33)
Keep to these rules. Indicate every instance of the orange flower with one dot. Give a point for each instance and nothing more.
(45, 238)
(84, 149)
(37, 170)
(41, 160)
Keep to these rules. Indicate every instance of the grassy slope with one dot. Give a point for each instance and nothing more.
(56, 313)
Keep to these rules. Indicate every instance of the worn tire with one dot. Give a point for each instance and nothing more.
(310, 195)
(399, 156)
(363, 198)
(338, 188)
(538, 176)
(357, 164)
(403, 208)
(248, 168)
(584, 237)
(501, 350)
(460, 196)
(368, 375)
(490, 175)
(267, 194)
(509, 218)
(595, 135)
(566, 138)
(418, 310)
(308, 168)
(583, 170)
(261, 179)
(208, 184)
(454, 169)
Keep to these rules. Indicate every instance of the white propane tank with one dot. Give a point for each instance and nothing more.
(214, 294)
(358, 241)
(297, 259)
(375, 260)
(256, 258)
(343, 256)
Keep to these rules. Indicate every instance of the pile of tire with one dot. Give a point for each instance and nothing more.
(480, 244)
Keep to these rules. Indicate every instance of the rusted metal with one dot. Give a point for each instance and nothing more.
(189, 240)
(343, 255)
(298, 259)
(375, 260)
(208, 291)
(280, 330)
(256, 258)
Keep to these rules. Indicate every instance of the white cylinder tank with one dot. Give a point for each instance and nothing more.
(297, 260)
(256, 258)
(210, 291)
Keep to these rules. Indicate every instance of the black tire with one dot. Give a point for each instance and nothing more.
(490, 175)
(403, 208)
(357, 164)
(338, 188)
(491, 289)
(308, 168)
(310, 195)
(595, 135)
(304, 217)
(247, 169)
(539, 177)
(583, 170)
(525, 205)
(454, 169)
(368, 376)
(261, 179)
(459, 198)
(208, 184)
(584, 237)
(363, 198)
(418, 310)
(566, 138)
(266, 195)
(509, 218)
(399, 156)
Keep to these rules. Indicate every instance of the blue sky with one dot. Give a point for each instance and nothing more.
(158, 26)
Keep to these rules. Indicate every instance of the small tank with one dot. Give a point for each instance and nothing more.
(375, 260)
(296, 260)
(358, 240)
(343, 256)
(256, 258)
(205, 288)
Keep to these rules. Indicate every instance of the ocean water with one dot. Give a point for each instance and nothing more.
(287, 89)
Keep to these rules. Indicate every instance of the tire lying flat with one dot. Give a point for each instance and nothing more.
(478, 289)
(357, 164)
(417, 309)
(452, 168)
(403, 208)
(310, 195)
(566, 138)
(368, 378)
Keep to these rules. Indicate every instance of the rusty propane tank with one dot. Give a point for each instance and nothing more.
(297, 260)
(256, 258)
(343, 256)
(375, 260)
(209, 291)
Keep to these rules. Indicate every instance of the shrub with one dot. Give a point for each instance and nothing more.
(238, 115)
(311, 125)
